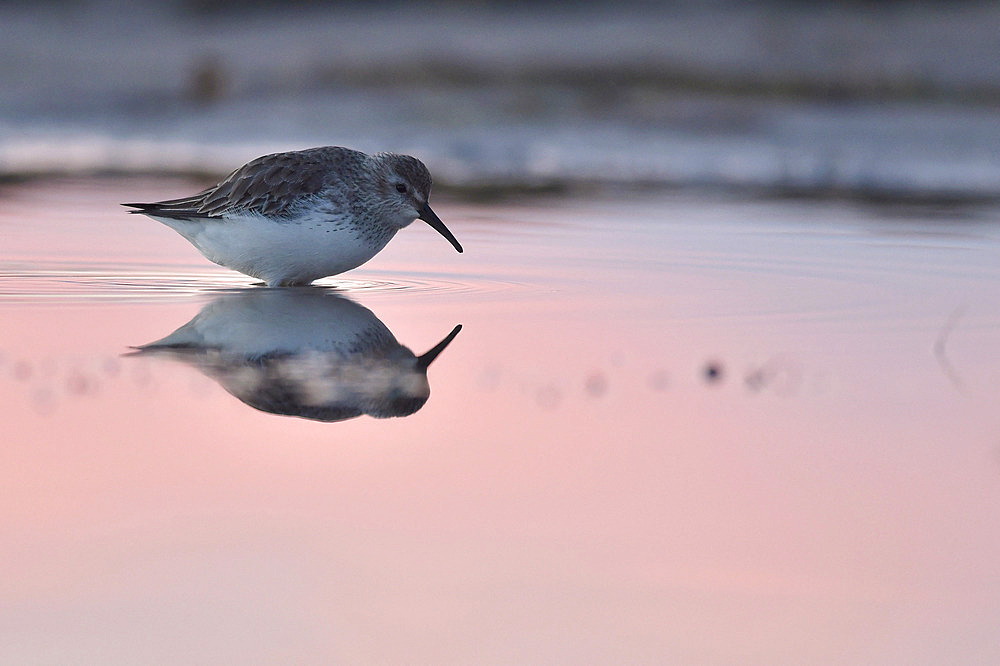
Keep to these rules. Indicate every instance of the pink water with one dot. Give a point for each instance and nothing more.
(576, 489)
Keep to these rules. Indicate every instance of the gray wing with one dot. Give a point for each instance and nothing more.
(269, 185)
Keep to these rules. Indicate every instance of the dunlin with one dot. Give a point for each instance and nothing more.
(291, 218)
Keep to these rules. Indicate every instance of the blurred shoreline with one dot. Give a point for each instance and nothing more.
(872, 101)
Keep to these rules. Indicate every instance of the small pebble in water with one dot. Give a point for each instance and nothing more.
(713, 372)
(596, 384)
(659, 380)
(23, 371)
(548, 397)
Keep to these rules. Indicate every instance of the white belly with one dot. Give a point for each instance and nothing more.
(280, 253)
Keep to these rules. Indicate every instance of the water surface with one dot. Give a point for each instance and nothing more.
(673, 428)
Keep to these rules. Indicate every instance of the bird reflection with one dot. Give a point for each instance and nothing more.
(304, 352)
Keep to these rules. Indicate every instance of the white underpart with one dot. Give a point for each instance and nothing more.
(296, 251)
(261, 321)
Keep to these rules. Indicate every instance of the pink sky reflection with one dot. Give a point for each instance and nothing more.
(529, 512)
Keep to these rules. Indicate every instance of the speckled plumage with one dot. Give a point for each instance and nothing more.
(294, 217)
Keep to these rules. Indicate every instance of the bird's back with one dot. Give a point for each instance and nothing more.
(271, 185)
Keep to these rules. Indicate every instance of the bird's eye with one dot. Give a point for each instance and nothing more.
(401, 188)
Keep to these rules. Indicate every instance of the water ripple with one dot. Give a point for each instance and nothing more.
(31, 285)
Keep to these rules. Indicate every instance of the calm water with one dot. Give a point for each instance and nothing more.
(672, 429)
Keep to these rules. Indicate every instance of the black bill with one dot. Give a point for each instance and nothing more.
(428, 216)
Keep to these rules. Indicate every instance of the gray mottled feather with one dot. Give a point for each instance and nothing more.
(271, 185)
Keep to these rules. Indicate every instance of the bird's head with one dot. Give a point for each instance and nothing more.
(405, 185)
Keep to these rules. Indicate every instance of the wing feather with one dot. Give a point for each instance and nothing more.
(269, 185)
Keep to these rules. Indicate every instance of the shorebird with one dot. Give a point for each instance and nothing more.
(294, 217)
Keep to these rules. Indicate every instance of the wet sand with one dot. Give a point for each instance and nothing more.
(674, 428)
